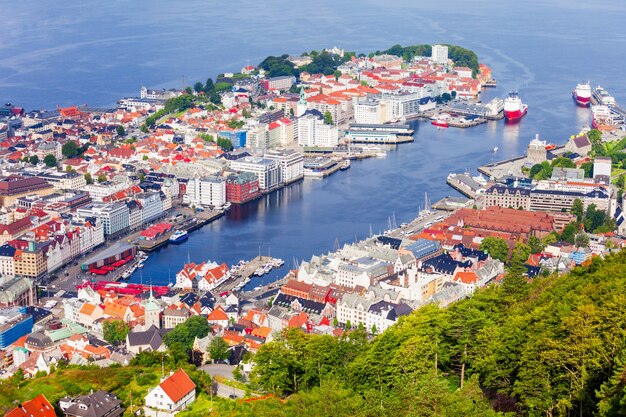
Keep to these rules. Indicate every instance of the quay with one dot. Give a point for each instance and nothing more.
(450, 203)
(201, 219)
(466, 184)
(512, 166)
(320, 167)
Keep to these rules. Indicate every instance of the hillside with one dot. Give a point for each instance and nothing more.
(559, 350)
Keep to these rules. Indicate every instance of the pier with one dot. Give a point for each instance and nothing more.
(450, 203)
(201, 219)
(466, 184)
(245, 273)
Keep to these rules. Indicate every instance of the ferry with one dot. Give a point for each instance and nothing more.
(514, 109)
(179, 236)
(582, 94)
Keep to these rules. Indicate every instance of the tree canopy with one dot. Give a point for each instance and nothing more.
(185, 333)
(50, 160)
(69, 149)
(496, 247)
(115, 331)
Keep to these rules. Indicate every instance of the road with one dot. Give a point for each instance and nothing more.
(225, 371)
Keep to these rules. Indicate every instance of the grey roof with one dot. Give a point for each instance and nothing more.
(98, 404)
(39, 340)
(151, 337)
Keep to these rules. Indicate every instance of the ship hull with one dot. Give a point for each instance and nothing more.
(581, 101)
(439, 123)
(515, 114)
(179, 239)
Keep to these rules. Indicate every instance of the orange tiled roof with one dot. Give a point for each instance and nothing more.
(177, 386)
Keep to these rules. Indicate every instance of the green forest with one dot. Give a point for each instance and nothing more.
(555, 347)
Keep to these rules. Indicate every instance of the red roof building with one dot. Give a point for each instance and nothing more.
(37, 407)
(174, 393)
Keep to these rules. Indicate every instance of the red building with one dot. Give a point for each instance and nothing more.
(241, 188)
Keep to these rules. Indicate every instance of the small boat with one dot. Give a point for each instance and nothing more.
(179, 236)
(442, 121)
(345, 165)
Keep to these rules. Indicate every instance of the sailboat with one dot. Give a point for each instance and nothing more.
(426, 210)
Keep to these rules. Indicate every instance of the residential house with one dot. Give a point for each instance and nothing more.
(173, 394)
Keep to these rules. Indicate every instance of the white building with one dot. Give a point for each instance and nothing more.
(151, 206)
(258, 136)
(7, 262)
(91, 236)
(173, 394)
(402, 104)
(134, 215)
(312, 131)
(114, 216)
(209, 191)
(267, 170)
(371, 112)
(97, 192)
(440, 54)
(64, 180)
(281, 132)
(291, 164)
(602, 169)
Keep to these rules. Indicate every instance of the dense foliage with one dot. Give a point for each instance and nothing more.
(276, 66)
(553, 347)
(115, 331)
(543, 171)
(185, 333)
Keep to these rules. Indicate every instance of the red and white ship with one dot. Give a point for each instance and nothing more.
(582, 94)
(514, 109)
(601, 117)
(441, 121)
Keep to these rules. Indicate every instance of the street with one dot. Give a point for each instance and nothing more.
(225, 371)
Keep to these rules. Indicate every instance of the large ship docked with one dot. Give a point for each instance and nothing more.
(602, 117)
(603, 97)
(514, 109)
(582, 94)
